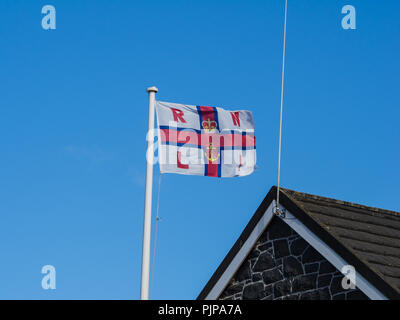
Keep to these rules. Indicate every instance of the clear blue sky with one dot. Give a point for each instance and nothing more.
(73, 121)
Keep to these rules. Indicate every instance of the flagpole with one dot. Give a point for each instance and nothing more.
(277, 209)
(144, 289)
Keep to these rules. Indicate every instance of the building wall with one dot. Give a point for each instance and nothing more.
(284, 266)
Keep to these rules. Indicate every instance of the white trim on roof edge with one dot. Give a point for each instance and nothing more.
(329, 254)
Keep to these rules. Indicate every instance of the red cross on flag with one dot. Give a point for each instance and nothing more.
(206, 141)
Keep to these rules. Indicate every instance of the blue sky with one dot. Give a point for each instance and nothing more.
(73, 121)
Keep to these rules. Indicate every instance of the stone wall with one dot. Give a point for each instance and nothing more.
(284, 266)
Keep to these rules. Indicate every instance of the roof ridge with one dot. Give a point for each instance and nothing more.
(340, 202)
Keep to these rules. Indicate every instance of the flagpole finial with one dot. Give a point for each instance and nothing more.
(152, 89)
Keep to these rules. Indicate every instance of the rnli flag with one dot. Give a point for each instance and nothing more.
(206, 141)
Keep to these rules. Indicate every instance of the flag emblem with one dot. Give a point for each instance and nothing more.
(204, 140)
(209, 126)
(210, 156)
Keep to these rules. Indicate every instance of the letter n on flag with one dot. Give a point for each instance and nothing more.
(206, 141)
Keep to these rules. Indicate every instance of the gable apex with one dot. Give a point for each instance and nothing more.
(327, 221)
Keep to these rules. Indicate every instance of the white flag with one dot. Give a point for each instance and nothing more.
(207, 141)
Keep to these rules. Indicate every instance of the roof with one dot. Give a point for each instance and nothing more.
(370, 234)
(365, 237)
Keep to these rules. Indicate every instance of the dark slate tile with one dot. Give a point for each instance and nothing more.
(337, 273)
(264, 262)
(298, 246)
(244, 272)
(311, 255)
(238, 296)
(304, 282)
(356, 295)
(268, 290)
(311, 267)
(278, 229)
(319, 294)
(254, 254)
(281, 248)
(340, 296)
(254, 291)
(271, 276)
(326, 267)
(256, 277)
(265, 246)
(294, 237)
(291, 297)
(282, 288)
(264, 237)
(231, 290)
(324, 280)
(324, 294)
(292, 267)
(310, 295)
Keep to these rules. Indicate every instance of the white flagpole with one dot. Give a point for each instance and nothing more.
(144, 289)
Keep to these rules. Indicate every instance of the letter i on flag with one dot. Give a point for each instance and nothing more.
(206, 141)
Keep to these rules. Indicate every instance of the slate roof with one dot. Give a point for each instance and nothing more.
(365, 237)
(371, 234)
